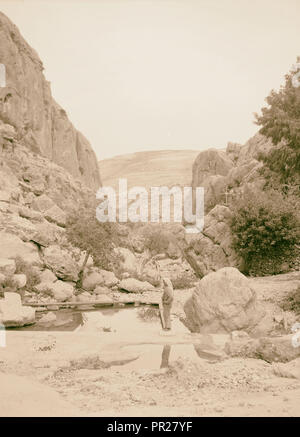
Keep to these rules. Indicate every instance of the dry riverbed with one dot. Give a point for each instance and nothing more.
(87, 373)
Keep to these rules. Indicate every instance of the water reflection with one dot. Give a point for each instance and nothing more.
(165, 356)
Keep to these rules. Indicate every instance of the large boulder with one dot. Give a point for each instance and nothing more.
(215, 187)
(222, 301)
(20, 280)
(61, 263)
(47, 276)
(56, 215)
(47, 234)
(109, 279)
(13, 313)
(19, 226)
(59, 290)
(42, 203)
(98, 277)
(135, 286)
(212, 249)
(7, 266)
(127, 260)
(30, 214)
(209, 163)
(178, 271)
(12, 246)
(92, 280)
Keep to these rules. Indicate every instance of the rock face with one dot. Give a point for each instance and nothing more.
(222, 302)
(59, 290)
(224, 175)
(61, 263)
(210, 162)
(28, 111)
(98, 277)
(12, 246)
(135, 286)
(7, 266)
(13, 314)
(212, 248)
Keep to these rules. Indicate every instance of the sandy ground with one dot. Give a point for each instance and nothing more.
(118, 373)
(85, 374)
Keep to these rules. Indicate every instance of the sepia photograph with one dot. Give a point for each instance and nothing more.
(149, 211)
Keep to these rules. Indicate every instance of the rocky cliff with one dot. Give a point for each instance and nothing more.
(225, 174)
(29, 114)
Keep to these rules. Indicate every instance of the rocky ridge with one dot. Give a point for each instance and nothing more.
(29, 114)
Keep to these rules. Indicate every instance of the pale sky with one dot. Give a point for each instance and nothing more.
(137, 75)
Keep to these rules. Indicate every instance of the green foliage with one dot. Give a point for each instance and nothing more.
(186, 280)
(157, 240)
(266, 228)
(280, 121)
(84, 231)
(292, 301)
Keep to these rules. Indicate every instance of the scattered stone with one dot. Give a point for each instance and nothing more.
(135, 286)
(92, 280)
(99, 277)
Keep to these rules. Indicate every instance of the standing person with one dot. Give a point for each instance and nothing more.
(167, 300)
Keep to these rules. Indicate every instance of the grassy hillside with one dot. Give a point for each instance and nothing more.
(165, 167)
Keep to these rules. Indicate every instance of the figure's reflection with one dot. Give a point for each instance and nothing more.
(165, 356)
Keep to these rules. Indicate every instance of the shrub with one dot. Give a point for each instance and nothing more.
(266, 228)
(183, 281)
(157, 240)
(280, 121)
(84, 231)
(27, 269)
(292, 301)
